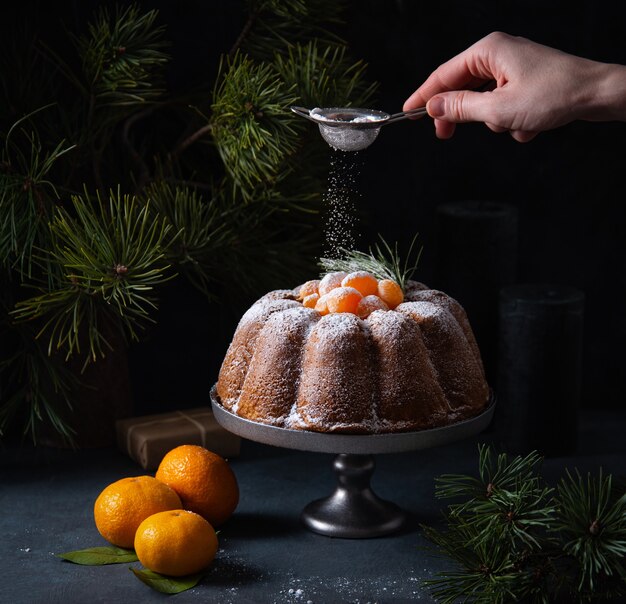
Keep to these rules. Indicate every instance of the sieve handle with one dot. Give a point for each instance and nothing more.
(419, 112)
(302, 112)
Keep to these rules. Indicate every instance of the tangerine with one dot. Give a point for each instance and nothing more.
(122, 506)
(343, 299)
(390, 292)
(321, 305)
(203, 480)
(175, 543)
(330, 281)
(311, 300)
(308, 288)
(363, 281)
(368, 304)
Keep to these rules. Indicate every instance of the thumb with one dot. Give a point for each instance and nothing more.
(460, 106)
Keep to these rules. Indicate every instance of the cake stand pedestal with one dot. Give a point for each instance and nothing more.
(353, 510)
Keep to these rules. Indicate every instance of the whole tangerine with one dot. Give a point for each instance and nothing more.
(203, 480)
(175, 543)
(122, 506)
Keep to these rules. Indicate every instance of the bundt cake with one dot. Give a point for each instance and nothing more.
(354, 354)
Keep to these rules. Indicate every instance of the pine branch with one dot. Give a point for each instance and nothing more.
(37, 388)
(122, 57)
(489, 574)
(27, 196)
(252, 125)
(108, 260)
(278, 24)
(514, 539)
(591, 522)
(324, 75)
(123, 64)
(200, 230)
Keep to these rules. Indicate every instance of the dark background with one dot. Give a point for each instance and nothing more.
(567, 184)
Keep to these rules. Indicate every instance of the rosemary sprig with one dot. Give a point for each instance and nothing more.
(382, 261)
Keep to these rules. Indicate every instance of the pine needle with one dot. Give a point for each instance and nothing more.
(382, 261)
(123, 58)
(109, 258)
(235, 213)
(252, 126)
(515, 539)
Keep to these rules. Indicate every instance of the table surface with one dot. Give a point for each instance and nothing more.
(265, 553)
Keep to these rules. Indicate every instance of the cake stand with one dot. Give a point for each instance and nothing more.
(353, 510)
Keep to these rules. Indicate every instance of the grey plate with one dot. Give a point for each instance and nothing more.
(359, 444)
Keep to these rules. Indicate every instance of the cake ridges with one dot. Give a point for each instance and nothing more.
(373, 385)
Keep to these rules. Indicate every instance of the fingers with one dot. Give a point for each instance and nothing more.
(523, 136)
(469, 69)
(462, 106)
(444, 130)
(495, 128)
(433, 85)
(416, 100)
(450, 92)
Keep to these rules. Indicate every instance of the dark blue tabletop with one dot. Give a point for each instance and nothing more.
(265, 554)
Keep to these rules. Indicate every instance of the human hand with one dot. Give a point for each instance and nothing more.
(533, 88)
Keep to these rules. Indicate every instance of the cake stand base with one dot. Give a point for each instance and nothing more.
(353, 511)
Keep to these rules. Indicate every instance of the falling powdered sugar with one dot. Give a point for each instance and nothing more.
(341, 217)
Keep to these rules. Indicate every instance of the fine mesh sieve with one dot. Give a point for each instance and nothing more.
(352, 128)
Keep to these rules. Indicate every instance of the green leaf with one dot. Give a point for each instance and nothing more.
(167, 585)
(96, 556)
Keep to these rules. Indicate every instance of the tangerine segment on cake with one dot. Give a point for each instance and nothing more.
(345, 354)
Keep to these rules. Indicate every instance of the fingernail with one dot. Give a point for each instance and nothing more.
(436, 106)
